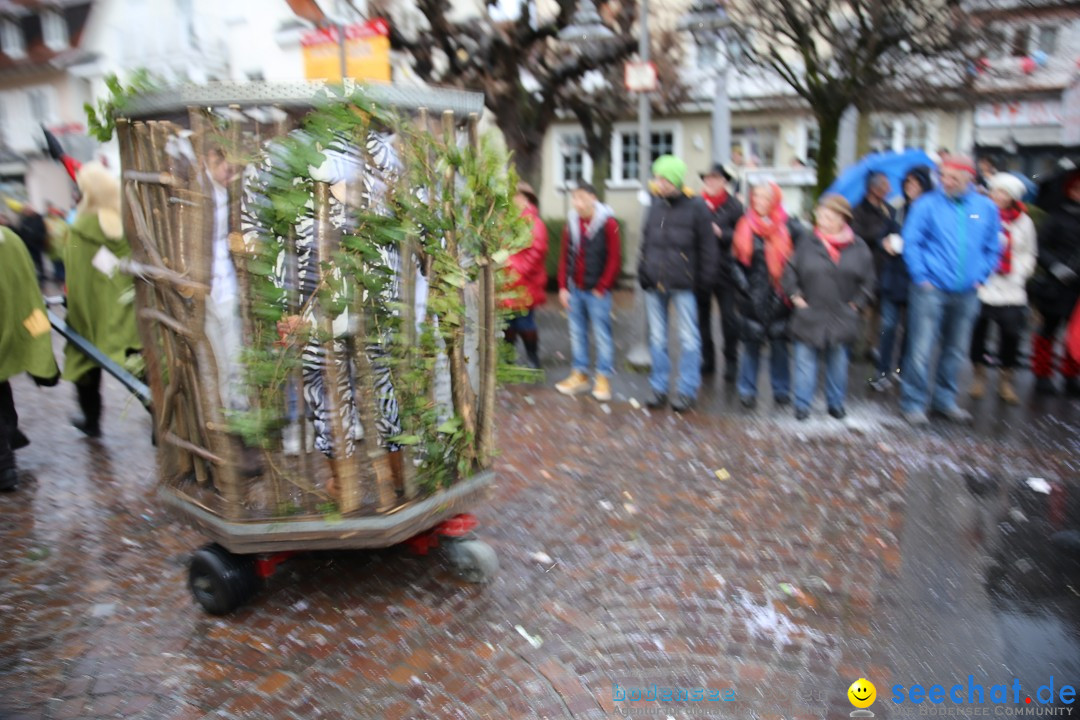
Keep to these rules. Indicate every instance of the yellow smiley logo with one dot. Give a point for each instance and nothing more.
(862, 693)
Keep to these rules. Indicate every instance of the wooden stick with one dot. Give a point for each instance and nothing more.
(460, 387)
(292, 272)
(170, 463)
(345, 471)
(193, 448)
(150, 178)
(367, 408)
(175, 325)
(226, 477)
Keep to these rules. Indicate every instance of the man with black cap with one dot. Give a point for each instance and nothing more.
(726, 210)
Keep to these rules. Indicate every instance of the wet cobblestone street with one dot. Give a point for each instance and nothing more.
(721, 549)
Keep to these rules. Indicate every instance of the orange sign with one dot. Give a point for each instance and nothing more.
(367, 52)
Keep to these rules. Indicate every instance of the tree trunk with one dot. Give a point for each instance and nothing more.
(829, 126)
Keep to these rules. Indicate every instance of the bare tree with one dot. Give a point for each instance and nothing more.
(519, 65)
(599, 100)
(864, 53)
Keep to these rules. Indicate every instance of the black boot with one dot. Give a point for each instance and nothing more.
(531, 340)
(89, 394)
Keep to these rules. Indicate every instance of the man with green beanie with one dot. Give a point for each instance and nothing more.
(25, 344)
(678, 258)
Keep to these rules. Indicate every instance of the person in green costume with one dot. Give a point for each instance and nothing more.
(101, 298)
(25, 344)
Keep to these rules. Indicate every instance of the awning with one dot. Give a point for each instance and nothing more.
(1031, 135)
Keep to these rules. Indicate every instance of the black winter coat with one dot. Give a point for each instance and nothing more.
(678, 247)
(829, 289)
(726, 217)
(763, 312)
(1059, 242)
(874, 224)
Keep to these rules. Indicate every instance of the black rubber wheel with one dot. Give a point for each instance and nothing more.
(473, 560)
(221, 581)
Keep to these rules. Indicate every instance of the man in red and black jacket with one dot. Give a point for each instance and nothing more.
(589, 263)
(726, 210)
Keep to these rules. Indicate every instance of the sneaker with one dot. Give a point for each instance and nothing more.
(9, 480)
(575, 384)
(657, 401)
(748, 401)
(602, 388)
(955, 414)
(916, 418)
(782, 401)
(682, 403)
(802, 414)
(882, 383)
(838, 412)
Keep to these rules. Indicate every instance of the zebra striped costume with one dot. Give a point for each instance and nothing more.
(364, 185)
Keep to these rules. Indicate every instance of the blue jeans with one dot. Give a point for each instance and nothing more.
(656, 303)
(892, 316)
(934, 314)
(806, 375)
(586, 309)
(779, 370)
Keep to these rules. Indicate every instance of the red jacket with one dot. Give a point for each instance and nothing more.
(527, 267)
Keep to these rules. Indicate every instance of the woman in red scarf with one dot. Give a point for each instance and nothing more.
(761, 246)
(829, 280)
(1004, 295)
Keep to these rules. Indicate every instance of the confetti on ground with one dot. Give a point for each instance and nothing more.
(635, 404)
(542, 558)
(1039, 485)
(534, 641)
(723, 474)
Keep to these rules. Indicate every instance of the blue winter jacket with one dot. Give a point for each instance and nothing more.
(952, 244)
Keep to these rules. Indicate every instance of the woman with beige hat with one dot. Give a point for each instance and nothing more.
(1004, 294)
(829, 280)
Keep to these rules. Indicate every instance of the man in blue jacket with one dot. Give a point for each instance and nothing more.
(951, 245)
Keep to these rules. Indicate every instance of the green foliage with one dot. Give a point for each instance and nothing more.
(455, 228)
(101, 120)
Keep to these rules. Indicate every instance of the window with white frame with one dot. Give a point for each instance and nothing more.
(571, 159)
(11, 39)
(1045, 39)
(900, 132)
(756, 145)
(54, 30)
(625, 165)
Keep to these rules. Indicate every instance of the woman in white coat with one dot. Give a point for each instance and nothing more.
(1003, 296)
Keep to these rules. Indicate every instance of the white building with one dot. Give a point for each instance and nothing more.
(54, 56)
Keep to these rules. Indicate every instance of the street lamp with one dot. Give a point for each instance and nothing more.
(583, 29)
(710, 24)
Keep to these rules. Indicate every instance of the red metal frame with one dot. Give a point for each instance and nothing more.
(457, 526)
(265, 565)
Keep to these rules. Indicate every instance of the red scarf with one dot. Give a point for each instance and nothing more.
(715, 201)
(773, 231)
(835, 244)
(1008, 217)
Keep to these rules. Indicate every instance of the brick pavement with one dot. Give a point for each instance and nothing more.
(780, 582)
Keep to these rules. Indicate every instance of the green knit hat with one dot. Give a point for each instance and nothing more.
(670, 168)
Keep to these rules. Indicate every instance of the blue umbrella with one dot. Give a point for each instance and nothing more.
(852, 182)
(1029, 185)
